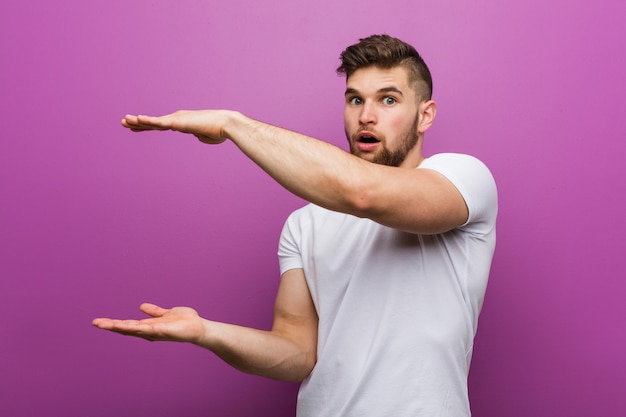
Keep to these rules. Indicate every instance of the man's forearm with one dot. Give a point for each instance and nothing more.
(312, 169)
(258, 352)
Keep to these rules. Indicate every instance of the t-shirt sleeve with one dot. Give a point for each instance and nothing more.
(475, 183)
(289, 256)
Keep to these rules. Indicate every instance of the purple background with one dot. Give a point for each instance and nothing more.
(95, 220)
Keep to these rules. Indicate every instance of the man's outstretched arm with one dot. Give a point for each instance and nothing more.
(420, 201)
(287, 352)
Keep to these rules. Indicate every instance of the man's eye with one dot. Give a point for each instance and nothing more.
(356, 101)
(389, 101)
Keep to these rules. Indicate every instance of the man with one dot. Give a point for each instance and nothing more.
(383, 275)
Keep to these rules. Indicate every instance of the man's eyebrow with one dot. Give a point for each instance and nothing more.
(391, 90)
(353, 91)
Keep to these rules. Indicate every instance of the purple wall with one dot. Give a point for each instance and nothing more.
(95, 220)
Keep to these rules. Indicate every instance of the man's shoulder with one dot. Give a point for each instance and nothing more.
(451, 158)
(459, 166)
(474, 181)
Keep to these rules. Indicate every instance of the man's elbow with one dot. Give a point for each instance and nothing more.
(305, 370)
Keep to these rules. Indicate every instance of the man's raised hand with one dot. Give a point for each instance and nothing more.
(207, 125)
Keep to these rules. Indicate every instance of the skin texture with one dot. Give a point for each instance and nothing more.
(385, 123)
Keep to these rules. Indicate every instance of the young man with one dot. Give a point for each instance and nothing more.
(383, 275)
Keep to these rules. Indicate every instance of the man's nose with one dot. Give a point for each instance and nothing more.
(368, 114)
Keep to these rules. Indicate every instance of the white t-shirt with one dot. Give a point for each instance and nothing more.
(397, 311)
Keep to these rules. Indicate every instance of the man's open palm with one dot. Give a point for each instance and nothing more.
(179, 324)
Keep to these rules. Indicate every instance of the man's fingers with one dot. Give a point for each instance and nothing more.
(127, 327)
(133, 325)
(141, 123)
(153, 309)
(101, 323)
(110, 324)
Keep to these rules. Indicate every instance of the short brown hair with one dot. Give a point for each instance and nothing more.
(384, 51)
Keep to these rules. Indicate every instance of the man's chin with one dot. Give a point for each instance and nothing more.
(368, 156)
(382, 158)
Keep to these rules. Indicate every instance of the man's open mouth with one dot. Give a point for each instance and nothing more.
(368, 139)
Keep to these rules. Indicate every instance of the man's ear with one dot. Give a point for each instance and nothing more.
(427, 111)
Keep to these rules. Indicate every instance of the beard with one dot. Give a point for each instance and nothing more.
(384, 155)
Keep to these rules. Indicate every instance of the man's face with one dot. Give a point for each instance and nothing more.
(381, 116)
